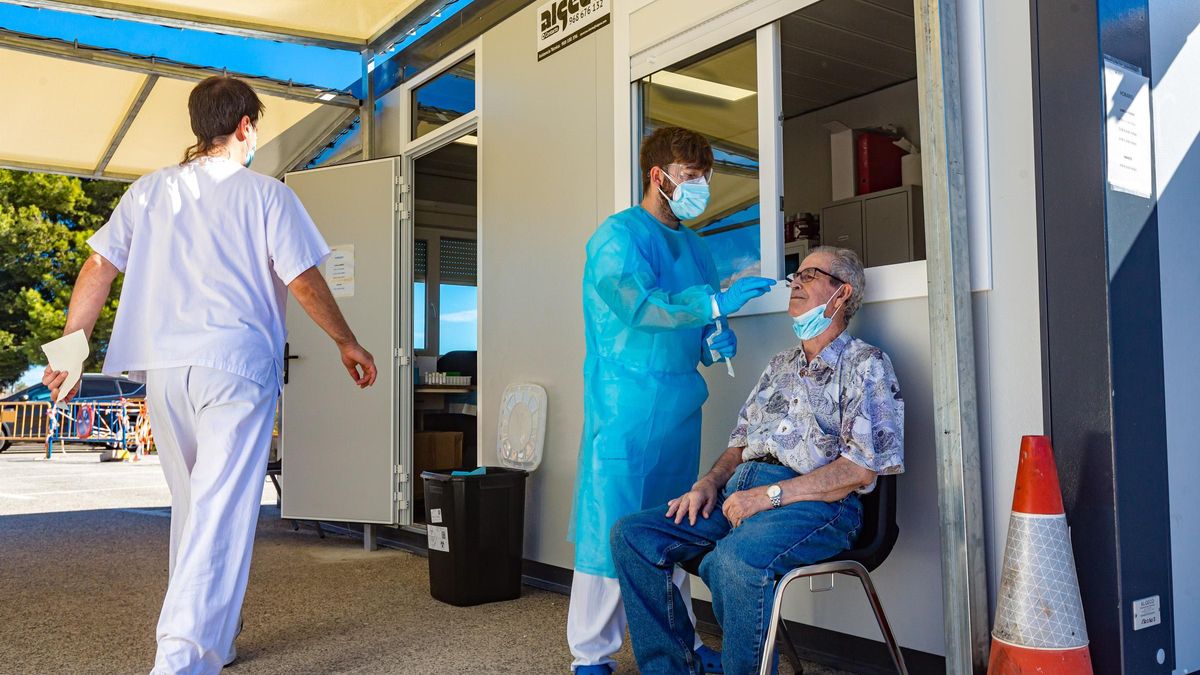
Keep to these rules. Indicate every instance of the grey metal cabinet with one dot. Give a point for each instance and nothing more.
(842, 226)
(884, 228)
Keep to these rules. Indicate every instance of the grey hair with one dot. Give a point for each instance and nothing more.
(847, 267)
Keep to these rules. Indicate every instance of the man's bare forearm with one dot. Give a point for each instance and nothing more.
(89, 294)
(827, 484)
(724, 467)
(312, 292)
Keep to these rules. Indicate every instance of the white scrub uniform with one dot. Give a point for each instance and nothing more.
(596, 617)
(208, 249)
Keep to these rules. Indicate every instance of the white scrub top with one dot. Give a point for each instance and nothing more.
(208, 249)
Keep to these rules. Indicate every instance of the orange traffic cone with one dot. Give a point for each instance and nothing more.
(1039, 618)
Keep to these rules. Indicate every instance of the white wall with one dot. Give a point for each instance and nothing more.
(1175, 43)
(1008, 318)
(547, 183)
(807, 182)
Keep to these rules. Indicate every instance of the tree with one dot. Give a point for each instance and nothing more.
(45, 221)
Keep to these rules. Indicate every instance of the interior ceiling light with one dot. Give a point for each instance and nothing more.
(468, 140)
(699, 86)
(327, 96)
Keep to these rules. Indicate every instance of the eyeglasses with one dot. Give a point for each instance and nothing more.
(809, 274)
(688, 173)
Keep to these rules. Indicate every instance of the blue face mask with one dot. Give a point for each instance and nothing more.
(253, 147)
(814, 322)
(689, 199)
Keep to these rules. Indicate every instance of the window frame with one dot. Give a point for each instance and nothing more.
(640, 56)
(433, 284)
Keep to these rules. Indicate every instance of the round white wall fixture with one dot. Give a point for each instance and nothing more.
(522, 429)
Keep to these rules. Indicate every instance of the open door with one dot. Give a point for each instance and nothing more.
(340, 445)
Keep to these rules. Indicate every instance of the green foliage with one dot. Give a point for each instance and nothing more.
(45, 221)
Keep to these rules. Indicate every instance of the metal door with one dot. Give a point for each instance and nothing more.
(340, 445)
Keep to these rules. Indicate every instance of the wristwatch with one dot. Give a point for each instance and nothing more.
(776, 494)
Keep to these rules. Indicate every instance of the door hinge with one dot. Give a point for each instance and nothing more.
(401, 358)
(401, 475)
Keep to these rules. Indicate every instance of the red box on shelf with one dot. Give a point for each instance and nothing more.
(877, 162)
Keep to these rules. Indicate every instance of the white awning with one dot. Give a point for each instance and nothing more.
(344, 24)
(105, 113)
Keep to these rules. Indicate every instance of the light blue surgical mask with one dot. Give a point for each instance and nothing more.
(814, 322)
(253, 147)
(690, 197)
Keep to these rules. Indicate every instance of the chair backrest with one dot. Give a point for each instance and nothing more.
(879, 528)
(464, 362)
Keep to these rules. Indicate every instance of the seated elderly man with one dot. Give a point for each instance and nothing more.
(822, 422)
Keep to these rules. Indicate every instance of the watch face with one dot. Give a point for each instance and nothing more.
(774, 491)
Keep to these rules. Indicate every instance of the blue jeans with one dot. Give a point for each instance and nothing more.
(741, 569)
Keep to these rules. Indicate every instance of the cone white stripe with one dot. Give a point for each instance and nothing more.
(1039, 605)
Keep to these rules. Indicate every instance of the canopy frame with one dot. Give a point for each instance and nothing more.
(397, 27)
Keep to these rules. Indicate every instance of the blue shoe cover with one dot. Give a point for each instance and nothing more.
(602, 669)
(710, 659)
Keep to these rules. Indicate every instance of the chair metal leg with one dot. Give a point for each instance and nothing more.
(789, 647)
(884, 627)
(841, 567)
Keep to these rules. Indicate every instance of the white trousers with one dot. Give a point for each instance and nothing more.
(596, 617)
(213, 433)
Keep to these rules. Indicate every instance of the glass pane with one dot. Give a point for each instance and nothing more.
(458, 321)
(716, 94)
(419, 316)
(444, 99)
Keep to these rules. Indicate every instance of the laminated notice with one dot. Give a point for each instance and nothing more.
(435, 516)
(439, 538)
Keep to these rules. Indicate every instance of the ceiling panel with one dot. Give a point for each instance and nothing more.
(867, 19)
(162, 132)
(837, 50)
(60, 113)
(800, 32)
(904, 7)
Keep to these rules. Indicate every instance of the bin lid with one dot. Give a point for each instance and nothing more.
(522, 428)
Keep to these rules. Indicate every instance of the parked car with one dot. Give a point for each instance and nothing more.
(94, 388)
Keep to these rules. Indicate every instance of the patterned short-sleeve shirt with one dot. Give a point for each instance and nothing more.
(845, 403)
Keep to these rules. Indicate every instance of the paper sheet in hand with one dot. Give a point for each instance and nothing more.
(67, 353)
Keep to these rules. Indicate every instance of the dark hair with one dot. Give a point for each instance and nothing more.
(216, 106)
(674, 145)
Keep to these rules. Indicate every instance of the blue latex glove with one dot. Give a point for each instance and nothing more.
(723, 343)
(742, 291)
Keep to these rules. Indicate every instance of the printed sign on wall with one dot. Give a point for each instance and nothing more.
(1129, 136)
(339, 271)
(564, 22)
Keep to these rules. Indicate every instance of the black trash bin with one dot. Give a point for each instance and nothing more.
(476, 533)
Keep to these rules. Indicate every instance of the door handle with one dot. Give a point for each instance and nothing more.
(287, 356)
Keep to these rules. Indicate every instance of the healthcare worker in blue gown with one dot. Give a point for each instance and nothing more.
(651, 304)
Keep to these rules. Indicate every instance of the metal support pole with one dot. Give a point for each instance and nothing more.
(370, 542)
(951, 334)
(367, 109)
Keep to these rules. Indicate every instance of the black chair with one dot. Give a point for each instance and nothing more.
(875, 541)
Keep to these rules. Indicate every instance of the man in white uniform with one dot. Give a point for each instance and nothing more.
(209, 250)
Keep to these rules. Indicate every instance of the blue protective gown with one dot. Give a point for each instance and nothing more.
(647, 296)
